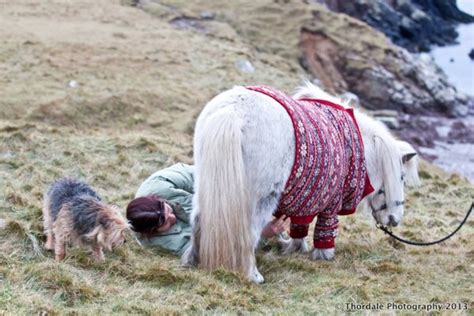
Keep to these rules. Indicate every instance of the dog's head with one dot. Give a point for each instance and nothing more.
(112, 229)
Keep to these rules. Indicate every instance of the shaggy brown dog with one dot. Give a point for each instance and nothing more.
(73, 212)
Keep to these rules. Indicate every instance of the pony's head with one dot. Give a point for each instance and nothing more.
(395, 165)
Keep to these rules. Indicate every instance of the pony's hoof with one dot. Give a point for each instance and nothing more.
(256, 277)
(294, 245)
(323, 254)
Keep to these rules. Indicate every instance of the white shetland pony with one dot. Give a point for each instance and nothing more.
(244, 150)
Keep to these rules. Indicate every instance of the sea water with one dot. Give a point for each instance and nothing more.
(454, 59)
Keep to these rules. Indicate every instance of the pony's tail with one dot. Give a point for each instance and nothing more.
(223, 195)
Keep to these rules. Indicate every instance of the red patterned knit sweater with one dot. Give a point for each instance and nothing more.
(329, 174)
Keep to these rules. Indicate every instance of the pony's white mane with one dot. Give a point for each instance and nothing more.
(309, 90)
(379, 145)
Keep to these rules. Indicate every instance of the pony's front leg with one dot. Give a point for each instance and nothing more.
(291, 245)
(325, 234)
(323, 254)
(297, 242)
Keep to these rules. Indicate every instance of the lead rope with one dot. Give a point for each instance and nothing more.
(414, 243)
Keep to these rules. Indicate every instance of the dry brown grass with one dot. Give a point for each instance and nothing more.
(141, 85)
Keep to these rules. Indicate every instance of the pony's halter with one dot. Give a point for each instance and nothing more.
(387, 205)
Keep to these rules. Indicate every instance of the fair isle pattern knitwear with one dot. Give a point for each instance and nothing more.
(329, 174)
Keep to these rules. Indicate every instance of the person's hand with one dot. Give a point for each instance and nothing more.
(276, 226)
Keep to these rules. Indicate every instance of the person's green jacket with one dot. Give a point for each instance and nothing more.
(175, 185)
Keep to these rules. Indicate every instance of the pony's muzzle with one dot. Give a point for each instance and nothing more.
(392, 221)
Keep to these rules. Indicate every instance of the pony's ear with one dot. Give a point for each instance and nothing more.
(406, 158)
(410, 163)
(407, 151)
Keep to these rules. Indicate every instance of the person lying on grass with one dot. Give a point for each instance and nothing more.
(160, 212)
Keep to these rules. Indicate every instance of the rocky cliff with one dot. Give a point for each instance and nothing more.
(414, 25)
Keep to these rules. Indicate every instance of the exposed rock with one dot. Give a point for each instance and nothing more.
(447, 9)
(132, 3)
(390, 122)
(388, 117)
(207, 15)
(73, 84)
(383, 75)
(425, 132)
(412, 24)
(189, 23)
(389, 113)
(318, 58)
(461, 131)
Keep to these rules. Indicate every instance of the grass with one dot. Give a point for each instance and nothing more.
(132, 114)
(368, 267)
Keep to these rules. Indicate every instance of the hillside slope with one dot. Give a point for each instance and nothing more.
(109, 93)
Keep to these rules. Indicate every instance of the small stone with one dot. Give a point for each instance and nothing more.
(425, 57)
(189, 23)
(387, 113)
(3, 223)
(471, 54)
(398, 86)
(443, 131)
(390, 122)
(447, 96)
(460, 110)
(418, 15)
(73, 84)
(207, 15)
(245, 66)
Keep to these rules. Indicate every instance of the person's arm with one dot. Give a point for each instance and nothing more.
(167, 190)
(180, 189)
(184, 202)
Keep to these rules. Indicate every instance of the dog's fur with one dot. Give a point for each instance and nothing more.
(73, 212)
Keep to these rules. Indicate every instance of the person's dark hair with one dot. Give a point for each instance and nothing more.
(146, 214)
